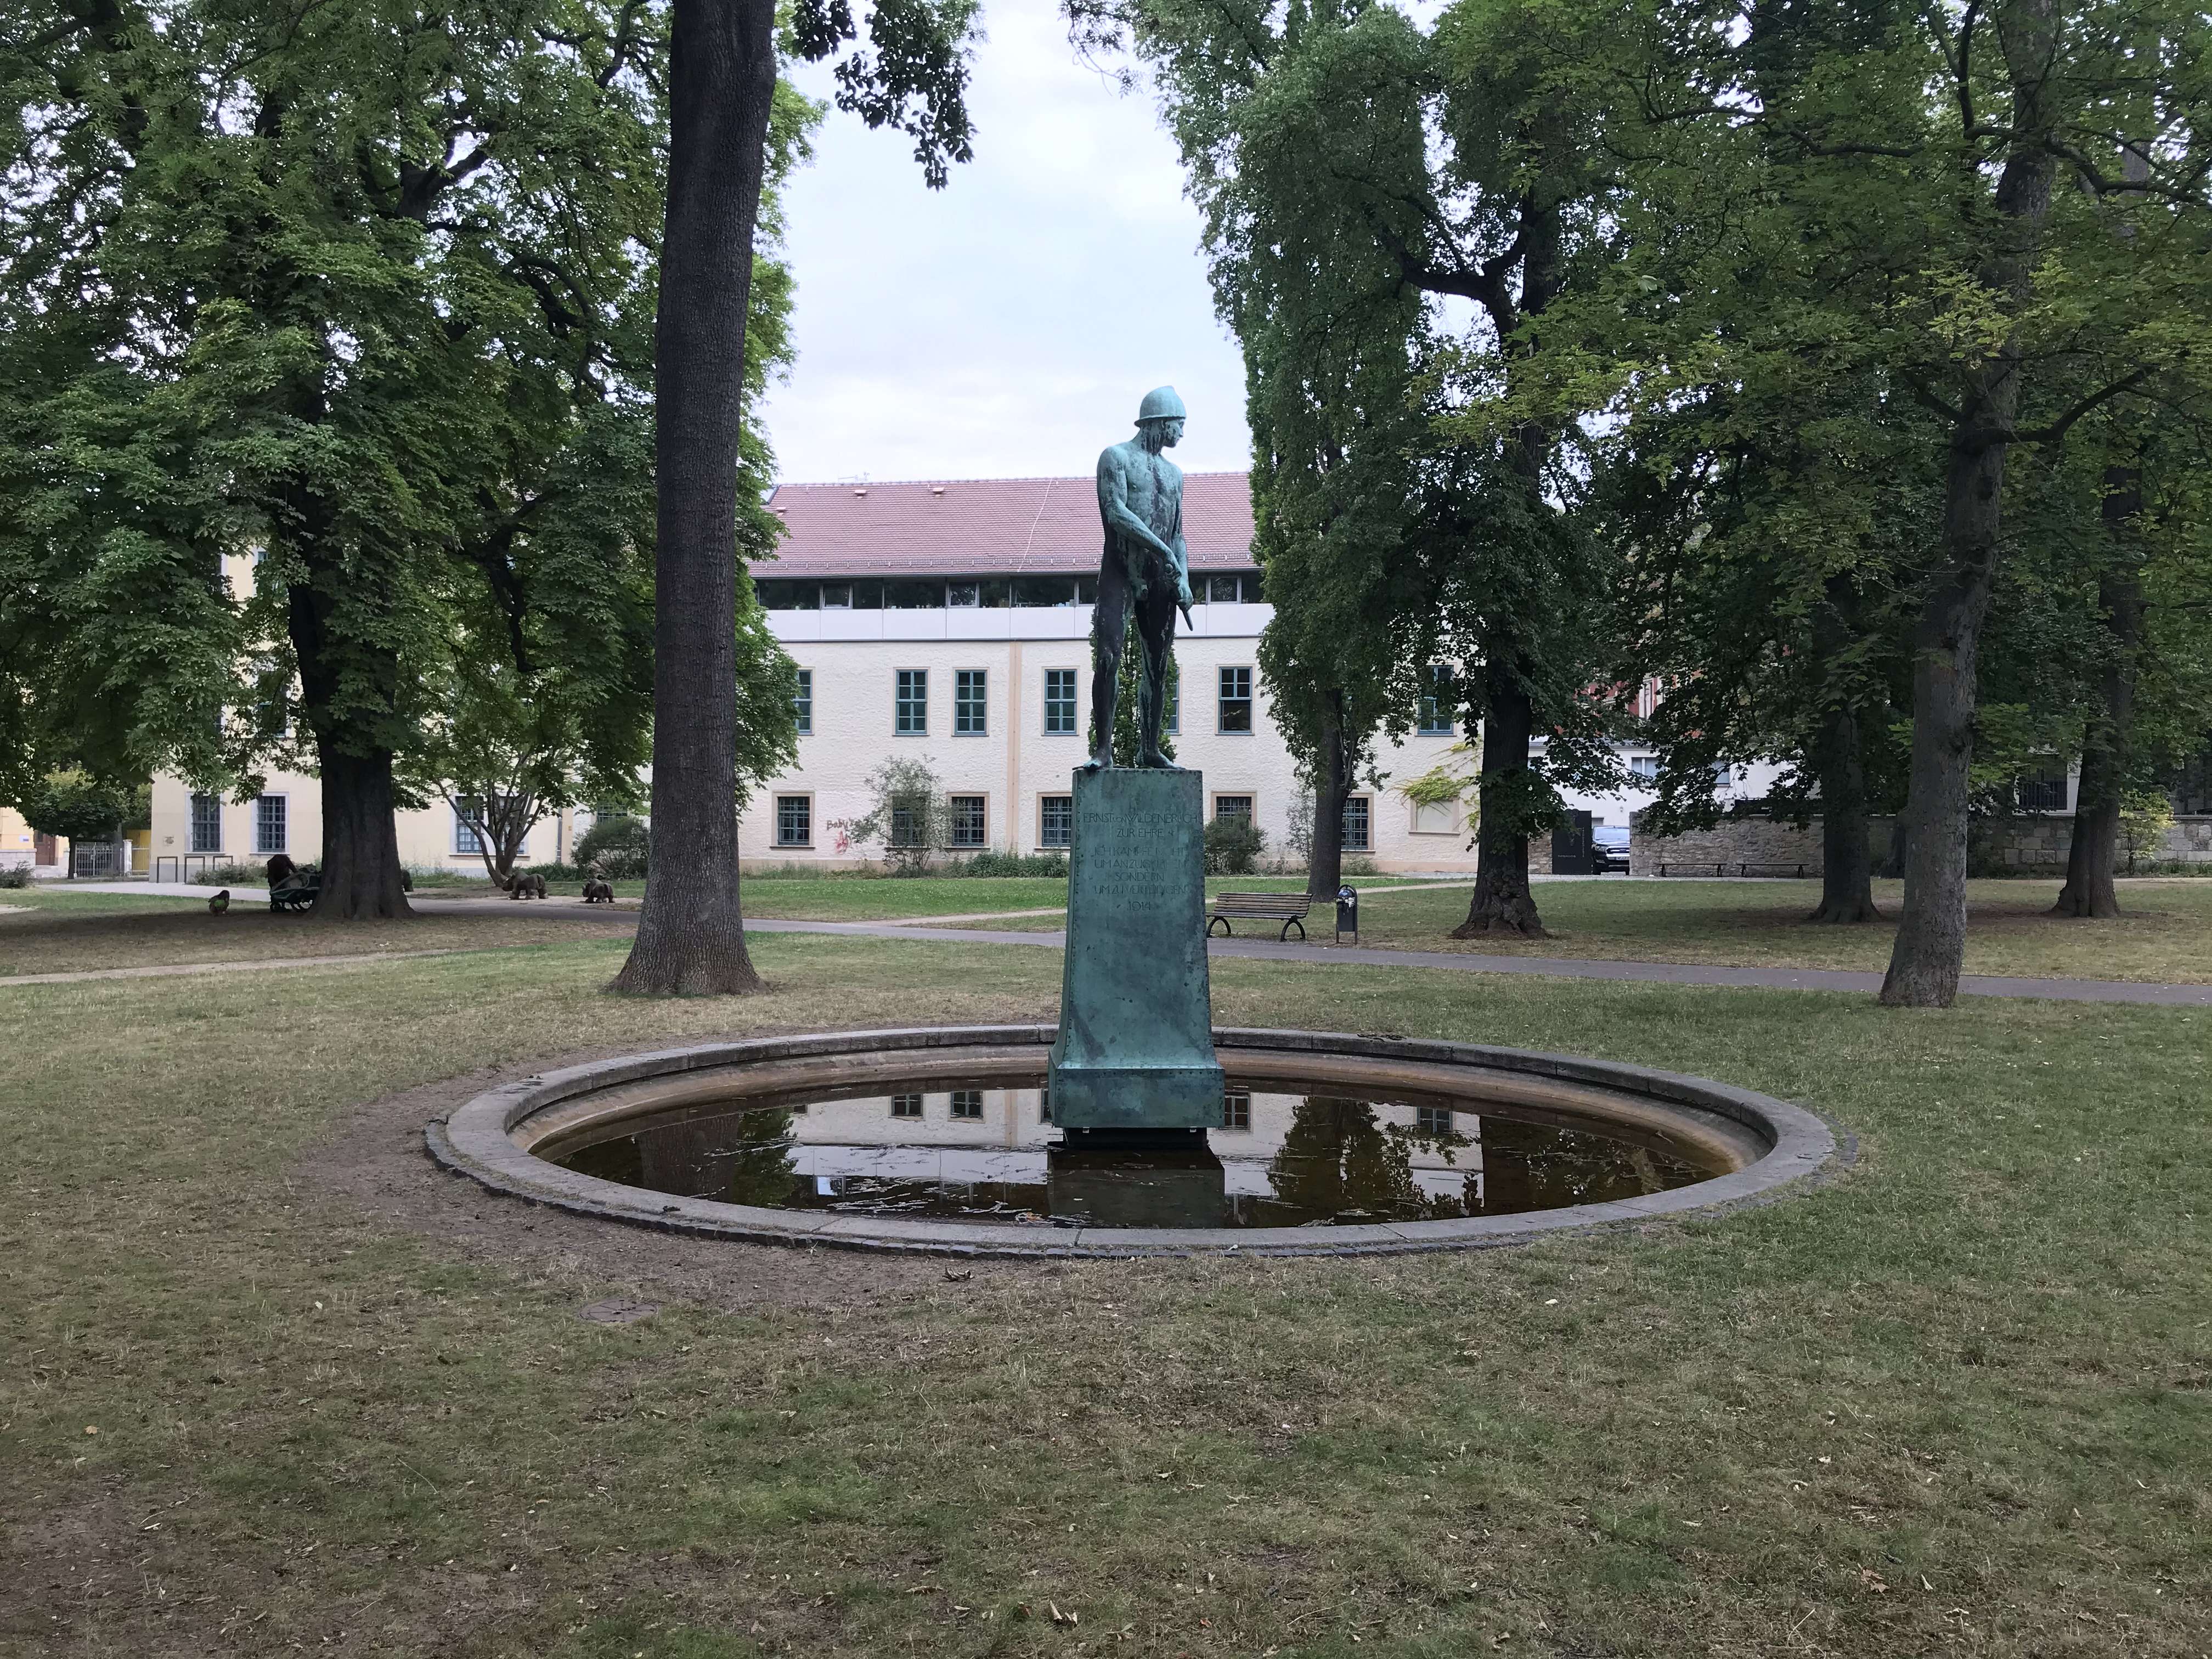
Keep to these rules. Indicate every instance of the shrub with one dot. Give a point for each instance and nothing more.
(620, 845)
(1009, 864)
(1233, 846)
(907, 816)
(231, 875)
(15, 875)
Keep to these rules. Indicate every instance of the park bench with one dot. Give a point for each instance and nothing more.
(1289, 908)
(1717, 869)
(1796, 869)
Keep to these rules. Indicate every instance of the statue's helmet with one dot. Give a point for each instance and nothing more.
(1161, 403)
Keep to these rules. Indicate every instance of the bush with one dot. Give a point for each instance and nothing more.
(15, 875)
(1359, 864)
(619, 845)
(1009, 864)
(1233, 846)
(231, 875)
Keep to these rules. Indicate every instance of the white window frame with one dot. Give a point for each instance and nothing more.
(192, 843)
(1043, 843)
(899, 701)
(261, 847)
(978, 706)
(1222, 700)
(802, 703)
(806, 796)
(1367, 819)
(1074, 726)
(953, 822)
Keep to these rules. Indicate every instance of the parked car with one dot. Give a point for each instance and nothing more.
(1608, 849)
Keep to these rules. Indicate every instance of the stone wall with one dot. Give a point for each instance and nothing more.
(1728, 847)
(2026, 845)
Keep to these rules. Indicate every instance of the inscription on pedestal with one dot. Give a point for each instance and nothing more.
(1135, 1049)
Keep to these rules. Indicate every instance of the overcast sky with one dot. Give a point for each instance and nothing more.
(1006, 325)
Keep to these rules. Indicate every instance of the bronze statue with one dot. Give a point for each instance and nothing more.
(1145, 573)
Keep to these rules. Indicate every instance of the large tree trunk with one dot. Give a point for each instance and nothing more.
(1931, 949)
(1324, 869)
(349, 688)
(360, 845)
(2093, 853)
(1924, 962)
(692, 931)
(1503, 901)
(1846, 856)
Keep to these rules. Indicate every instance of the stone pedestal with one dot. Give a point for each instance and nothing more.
(1135, 1050)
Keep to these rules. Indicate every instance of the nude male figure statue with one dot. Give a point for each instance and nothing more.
(1145, 573)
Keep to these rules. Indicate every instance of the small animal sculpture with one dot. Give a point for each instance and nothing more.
(597, 891)
(521, 886)
(220, 903)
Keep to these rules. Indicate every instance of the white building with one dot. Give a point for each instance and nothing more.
(952, 622)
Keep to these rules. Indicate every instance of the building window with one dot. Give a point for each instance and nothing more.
(970, 701)
(913, 703)
(963, 595)
(1059, 702)
(794, 820)
(968, 820)
(1236, 1109)
(2041, 794)
(1439, 704)
(1172, 723)
(1055, 820)
(1226, 807)
(802, 702)
(1356, 820)
(1043, 592)
(906, 1105)
(837, 595)
(465, 838)
(207, 823)
(1044, 1103)
(1433, 1120)
(1234, 709)
(1645, 766)
(968, 1105)
(1434, 818)
(269, 826)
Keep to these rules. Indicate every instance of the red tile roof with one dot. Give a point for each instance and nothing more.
(986, 527)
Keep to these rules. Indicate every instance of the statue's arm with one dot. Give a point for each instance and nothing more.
(1114, 504)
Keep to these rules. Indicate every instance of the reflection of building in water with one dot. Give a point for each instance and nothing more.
(999, 1136)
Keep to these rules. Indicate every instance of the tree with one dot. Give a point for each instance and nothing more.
(1496, 201)
(722, 94)
(360, 290)
(908, 815)
(1958, 174)
(81, 808)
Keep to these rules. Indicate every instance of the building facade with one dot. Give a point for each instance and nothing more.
(951, 622)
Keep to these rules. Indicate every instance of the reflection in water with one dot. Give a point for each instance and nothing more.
(1280, 1160)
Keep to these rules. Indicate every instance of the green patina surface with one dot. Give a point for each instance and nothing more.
(1135, 1049)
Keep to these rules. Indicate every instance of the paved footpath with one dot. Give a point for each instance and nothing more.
(1652, 973)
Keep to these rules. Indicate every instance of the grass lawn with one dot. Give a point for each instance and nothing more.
(2165, 932)
(59, 931)
(1954, 1402)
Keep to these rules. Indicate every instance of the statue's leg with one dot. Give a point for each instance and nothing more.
(1156, 632)
(1110, 623)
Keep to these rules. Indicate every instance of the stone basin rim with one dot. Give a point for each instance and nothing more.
(476, 1140)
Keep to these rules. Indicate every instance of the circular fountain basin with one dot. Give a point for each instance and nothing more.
(938, 1139)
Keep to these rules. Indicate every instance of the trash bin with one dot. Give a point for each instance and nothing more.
(1347, 913)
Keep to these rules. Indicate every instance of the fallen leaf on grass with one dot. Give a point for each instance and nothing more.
(1060, 1618)
(1872, 1580)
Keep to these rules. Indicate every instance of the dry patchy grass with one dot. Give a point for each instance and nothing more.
(1953, 1403)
